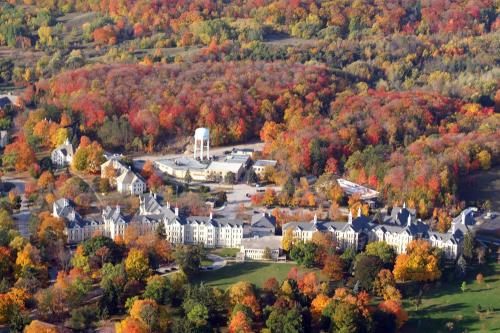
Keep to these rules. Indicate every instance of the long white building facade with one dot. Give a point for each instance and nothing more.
(397, 229)
(207, 230)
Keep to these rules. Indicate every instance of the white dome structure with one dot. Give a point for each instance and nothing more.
(202, 138)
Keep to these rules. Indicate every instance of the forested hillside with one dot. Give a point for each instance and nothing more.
(364, 89)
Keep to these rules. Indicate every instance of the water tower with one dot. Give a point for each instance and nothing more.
(202, 138)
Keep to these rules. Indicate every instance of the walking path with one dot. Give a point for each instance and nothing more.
(218, 262)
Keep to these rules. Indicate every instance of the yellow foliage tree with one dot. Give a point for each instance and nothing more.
(287, 241)
(137, 265)
(45, 35)
(37, 326)
(318, 304)
(130, 324)
(238, 291)
(419, 263)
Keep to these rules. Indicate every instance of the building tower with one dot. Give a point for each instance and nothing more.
(202, 138)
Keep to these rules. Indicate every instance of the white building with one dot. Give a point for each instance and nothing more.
(398, 230)
(113, 162)
(130, 183)
(63, 155)
(243, 151)
(353, 233)
(77, 229)
(351, 188)
(261, 165)
(221, 169)
(179, 167)
(9, 100)
(256, 248)
(126, 181)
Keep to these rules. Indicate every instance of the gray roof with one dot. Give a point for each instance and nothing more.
(149, 205)
(66, 149)
(245, 159)
(272, 242)
(265, 163)
(246, 150)
(129, 177)
(263, 220)
(65, 209)
(399, 215)
(183, 163)
(114, 214)
(216, 222)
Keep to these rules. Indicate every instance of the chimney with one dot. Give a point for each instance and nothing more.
(211, 215)
(176, 211)
(463, 218)
(315, 218)
(349, 217)
(118, 209)
(264, 214)
(453, 228)
(409, 219)
(168, 205)
(359, 211)
(404, 204)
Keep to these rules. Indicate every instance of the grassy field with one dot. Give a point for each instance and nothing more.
(225, 252)
(206, 262)
(254, 272)
(451, 310)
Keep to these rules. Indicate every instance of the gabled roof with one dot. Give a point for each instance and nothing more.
(150, 205)
(114, 214)
(127, 178)
(65, 208)
(66, 149)
(399, 215)
(216, 222)
(263, 221)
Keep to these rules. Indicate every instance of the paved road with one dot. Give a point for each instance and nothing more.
(22, 220)
(22, 217)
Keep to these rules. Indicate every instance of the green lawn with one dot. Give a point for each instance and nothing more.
(254, 272)
(206, 262)
(225, 252)
(450, 307)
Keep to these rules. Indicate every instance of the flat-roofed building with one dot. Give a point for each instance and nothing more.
(179, 167)
(260, 166)
(243, 151)
(221, 169)
(261, 248)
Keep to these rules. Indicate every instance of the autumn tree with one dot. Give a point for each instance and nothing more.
(287, 241)
(318, 304)
(395, 308)
(240, 323)
(333, 267)
(89, 159)
(382, 250)
(137, 265)
(18, 155)
(238, 291)
(37, 326)
(419, 263)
